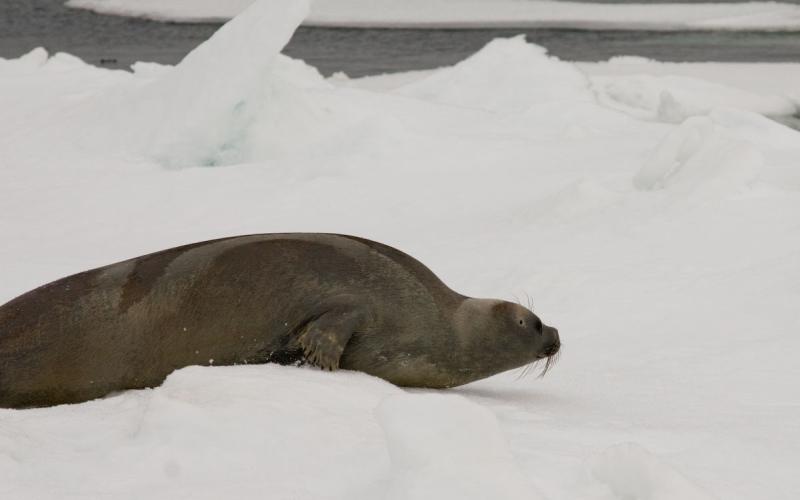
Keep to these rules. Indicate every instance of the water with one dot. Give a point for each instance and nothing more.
(117, 42)
(368, 51)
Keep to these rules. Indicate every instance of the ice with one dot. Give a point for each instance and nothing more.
(643, 87)
(664, 248)
(675, 98)
(228, 78)
(482, 13)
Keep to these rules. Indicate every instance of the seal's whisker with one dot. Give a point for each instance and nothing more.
(546, 367)
(550, 363)
(530, 367)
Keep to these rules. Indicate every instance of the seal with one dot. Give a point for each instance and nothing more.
(332, 301)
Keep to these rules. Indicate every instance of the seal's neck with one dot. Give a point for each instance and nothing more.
(472, 317)
(479, 353)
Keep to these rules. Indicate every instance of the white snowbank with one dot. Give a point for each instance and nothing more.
(482, 13)
(265, 429)
(505, 75)
(665, 253)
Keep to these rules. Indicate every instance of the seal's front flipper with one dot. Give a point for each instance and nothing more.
(324, 338)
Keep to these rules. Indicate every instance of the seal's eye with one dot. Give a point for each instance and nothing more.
(538, 325)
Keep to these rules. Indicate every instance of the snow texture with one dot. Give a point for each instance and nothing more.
(698, 153)
(483, 13)
(425, 437)
(664, 246)
(630, 471)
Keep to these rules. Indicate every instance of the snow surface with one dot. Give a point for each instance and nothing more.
(666, 251)
(482, 13)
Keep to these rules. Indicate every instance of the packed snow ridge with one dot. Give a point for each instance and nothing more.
(650, 210)
(482, 13)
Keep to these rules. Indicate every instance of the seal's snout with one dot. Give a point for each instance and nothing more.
(554, 345)
(552, 349)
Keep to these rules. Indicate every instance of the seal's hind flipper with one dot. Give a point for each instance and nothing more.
(323, 339)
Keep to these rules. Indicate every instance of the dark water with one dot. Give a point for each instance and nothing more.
(117, 41)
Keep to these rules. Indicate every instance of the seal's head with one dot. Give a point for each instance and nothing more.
(496, 336)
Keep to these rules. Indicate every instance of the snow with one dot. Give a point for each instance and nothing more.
(664, 247)
(482, 13)
(444, 446)
(629, 84)
(696, 154)
(534, 78)
(630, 471)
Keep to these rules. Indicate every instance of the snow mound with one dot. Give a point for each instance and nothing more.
(39, 60)
(482, 13)
(27, 63)
(633, 473)
(444, 446)
(672, 99)
(699, 154)
(508, 74)
(252, 425)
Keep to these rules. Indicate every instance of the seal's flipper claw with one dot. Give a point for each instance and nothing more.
(323, 339)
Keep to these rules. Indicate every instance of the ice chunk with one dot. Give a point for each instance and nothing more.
(200, 112)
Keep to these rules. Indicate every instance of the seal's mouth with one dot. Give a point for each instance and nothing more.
(550, 356)
(551, 350)
(551, 360)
